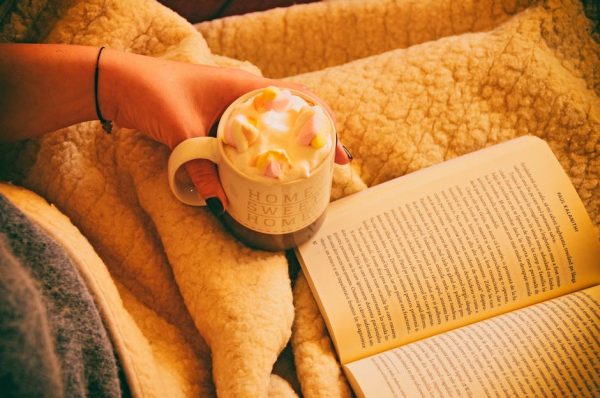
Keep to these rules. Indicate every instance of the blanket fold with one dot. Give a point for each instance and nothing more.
(293, 40)
(50, 325)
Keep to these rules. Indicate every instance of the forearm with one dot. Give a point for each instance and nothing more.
(44, 87)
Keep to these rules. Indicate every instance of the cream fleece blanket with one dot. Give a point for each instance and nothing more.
(412, 83)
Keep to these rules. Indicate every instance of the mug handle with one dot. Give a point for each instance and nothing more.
(190, 149)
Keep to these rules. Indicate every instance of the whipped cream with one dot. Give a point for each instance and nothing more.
(277, 135)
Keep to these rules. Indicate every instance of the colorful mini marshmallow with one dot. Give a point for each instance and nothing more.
(272, 98)
(273, 162)
(311, 127)
(273, 169)
(242, 133)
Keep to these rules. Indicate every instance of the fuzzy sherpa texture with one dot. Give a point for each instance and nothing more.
(157, 358)
(175, 260)
(412, 83)
(316, 364)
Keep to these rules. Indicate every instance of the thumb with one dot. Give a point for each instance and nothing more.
(205, 177)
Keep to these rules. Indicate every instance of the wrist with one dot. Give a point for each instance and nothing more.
(106, 124)
(108, 88)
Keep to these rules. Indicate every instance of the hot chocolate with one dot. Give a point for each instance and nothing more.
(274, 151)
(278, 137)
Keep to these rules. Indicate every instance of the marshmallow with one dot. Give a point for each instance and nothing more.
(242, 133)
(272, 98)
(273, 169)
(311, 127)
(277, 136)
(318, 141)
(273, 162)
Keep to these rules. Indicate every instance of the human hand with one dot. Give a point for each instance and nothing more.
(172, 101)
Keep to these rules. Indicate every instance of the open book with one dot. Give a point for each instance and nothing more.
(474, 277)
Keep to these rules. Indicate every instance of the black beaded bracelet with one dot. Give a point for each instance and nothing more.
(106, 124)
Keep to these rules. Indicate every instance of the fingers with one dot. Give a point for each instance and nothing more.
(342, 154)
(206, 180)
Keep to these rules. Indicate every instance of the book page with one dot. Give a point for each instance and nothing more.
(547, 349)
(462, 241)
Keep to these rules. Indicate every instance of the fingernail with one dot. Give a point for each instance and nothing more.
(347, 152)
(215, 206)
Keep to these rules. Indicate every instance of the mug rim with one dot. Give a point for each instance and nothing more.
(221, 128)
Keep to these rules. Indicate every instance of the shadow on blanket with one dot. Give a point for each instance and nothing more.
(52, 339)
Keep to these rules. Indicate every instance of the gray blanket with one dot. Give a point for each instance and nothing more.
(52, 340)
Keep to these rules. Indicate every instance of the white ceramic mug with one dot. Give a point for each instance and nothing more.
(266, 214)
